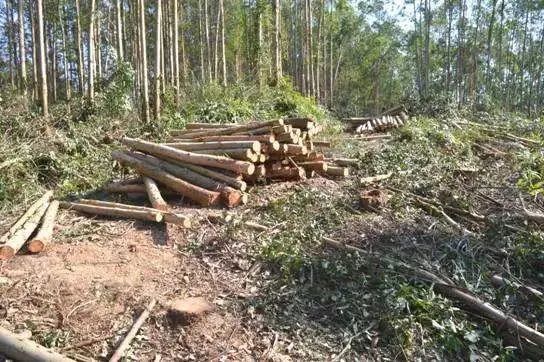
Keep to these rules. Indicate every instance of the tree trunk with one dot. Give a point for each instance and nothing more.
(154, 195)
(80, 68)
(158, 49)
(277, 45)
(68, 89)
(143, 57)
(35, 50)
(92, 49)
(208, 43)
(119, 32)
(202, 46)
(176, 50)
(22, 54)
(223, 46)
(43, 61)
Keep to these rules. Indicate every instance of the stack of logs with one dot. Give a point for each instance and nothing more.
(39, 219)
(212, 164)
(393, 118)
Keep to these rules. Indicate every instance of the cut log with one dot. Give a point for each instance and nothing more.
(318, 166)
(118, 354)
(322, 144)
(228, 180)
(286, 173)
(136, 212)
(344, 162)
(29, 212)
(337, 171)
(190, 157)
(287, 137)
(209, 125)
(193, 192)
(233, 130)
(231, 197)
(255, 146)
(372, 179)
(18, 348)
(268, 147)
(154, 195)
(261, 138)
(19, 237)
(116, 188)
(45, 232)
(295, 150)
(302, 123)
(244, 154)
(168, 216)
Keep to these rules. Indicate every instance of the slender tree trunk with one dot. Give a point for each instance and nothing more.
(11, 43)
(68, 89)
(331, 55)
(43, 69)
(120, 55)
(448, 46)
(158, 62)
(460, 53)
(22, 53)
(54, 75)
(35, 90)
(184, 70)
(311, 48)
(277, 45)
(202, 46)
(176, 50)
(223, 52)
(318, 56)
(98, 43)
(428, 18)
(488, 47)
(208, 42)
(216, 47)
(143, 57)
(91, 47)
(80, 68)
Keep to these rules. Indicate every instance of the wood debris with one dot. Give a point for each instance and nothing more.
(392, 118)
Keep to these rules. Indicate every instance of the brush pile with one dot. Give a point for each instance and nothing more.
(393, 118)
(212, 164)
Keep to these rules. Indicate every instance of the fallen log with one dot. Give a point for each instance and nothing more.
(370, 138)
(118, 354)
(344, 162)
(136, 212)
(244, 154)
(304, 123)
(377, 178)
(21, 349)
(232, 130)
(196, 125)
(19, 237)
(255, 146)
(499, 282)
(45, 232)
(325, 144)
(168, 216)
(154, 195)
(121, 189)
(337, 171)
(29, 212)
(231, 197)
(286, 173)
(190, 157)
(187, 189)
(261, 138)
(318, 166)
(228, 180)
(533, 216)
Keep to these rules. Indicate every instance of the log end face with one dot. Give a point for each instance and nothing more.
(36, 246)
(6, 252)
(250, 169)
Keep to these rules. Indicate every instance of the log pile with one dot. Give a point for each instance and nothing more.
(390, 119)
(212, 164)
(39, 218)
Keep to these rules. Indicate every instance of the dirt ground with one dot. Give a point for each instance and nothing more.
(99, 275)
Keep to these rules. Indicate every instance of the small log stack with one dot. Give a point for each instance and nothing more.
(39, 216)
(213, 164)
(390, 119)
